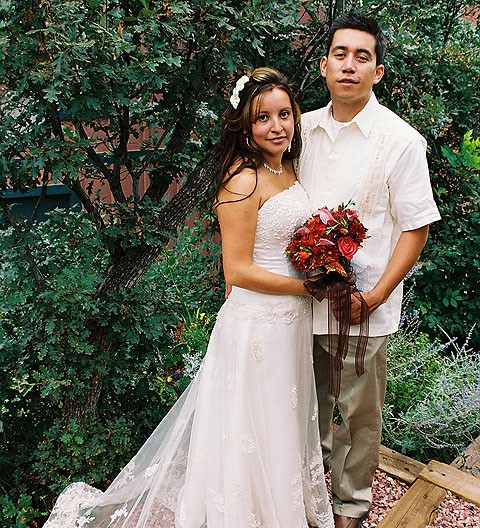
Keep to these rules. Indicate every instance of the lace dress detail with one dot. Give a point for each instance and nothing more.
(240, 448)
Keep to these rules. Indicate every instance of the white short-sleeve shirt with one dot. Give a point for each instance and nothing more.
(378, 161)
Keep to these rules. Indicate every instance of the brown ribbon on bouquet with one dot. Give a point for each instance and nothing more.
(338, 290)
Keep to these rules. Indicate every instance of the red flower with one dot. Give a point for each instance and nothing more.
(303, 256)
(327, 241)
(347, 247)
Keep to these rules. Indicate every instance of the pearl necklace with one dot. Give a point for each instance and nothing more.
(277, 172)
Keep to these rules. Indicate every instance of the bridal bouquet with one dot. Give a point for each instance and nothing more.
(325, 245)
(327, 241)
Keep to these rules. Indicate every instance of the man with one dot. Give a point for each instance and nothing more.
(355, 148)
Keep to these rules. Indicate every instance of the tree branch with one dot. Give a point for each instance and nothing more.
(37, 274)
(313, 45)
(87, 203)
(124, 271)
(41, 198)
(95, 158)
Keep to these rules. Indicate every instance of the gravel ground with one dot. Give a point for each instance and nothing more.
(452, 513)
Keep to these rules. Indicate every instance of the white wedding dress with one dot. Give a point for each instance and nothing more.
(241, 447)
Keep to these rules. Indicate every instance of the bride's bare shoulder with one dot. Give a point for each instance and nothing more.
(238, 185)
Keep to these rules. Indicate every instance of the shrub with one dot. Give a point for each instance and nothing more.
(447, 285)
(46, 356)
(432, 408)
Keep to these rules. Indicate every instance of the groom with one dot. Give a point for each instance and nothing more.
(355, 148)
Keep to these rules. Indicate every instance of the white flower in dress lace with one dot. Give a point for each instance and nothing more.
(218, 501)
(125, 476)
(270, 313)
(254, 521)
(297, 495)
(119, 513)
(74, 506)
(247, 444)
(237, 492)
(150, 471)
(294, 397)
(315, 413)
(257, 349)
(83, 521)
(316, 467)
(170, 497)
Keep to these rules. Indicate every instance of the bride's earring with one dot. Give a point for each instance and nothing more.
(289, 147)
(247, 141)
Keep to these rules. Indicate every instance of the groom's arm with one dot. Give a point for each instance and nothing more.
(404, 256)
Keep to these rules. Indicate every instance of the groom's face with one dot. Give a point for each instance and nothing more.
(350, 68)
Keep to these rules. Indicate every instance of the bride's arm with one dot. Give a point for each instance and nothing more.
(238, 221)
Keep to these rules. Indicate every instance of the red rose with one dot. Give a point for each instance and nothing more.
(347, 247)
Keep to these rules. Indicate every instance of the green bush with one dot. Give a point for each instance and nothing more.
(432, 407)
(46, 356)
(447, 285)
(432, 64)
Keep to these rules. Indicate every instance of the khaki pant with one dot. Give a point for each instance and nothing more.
(354, 451)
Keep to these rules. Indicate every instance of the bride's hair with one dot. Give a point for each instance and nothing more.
(236, 150)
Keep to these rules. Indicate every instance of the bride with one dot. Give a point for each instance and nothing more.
(241, 446)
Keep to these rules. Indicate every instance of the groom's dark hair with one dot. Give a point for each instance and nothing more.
(355, 20)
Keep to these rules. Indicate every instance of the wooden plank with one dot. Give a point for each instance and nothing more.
(462, 484)
(416, 508)
(419, 504)
(399, 466)
(471, 459)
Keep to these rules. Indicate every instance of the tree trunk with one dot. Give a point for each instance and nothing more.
(127, 270)
(78, 410)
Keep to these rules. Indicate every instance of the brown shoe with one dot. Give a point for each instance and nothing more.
(342, 521)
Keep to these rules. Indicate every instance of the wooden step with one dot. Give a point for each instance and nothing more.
(447, 477)
(418, 506)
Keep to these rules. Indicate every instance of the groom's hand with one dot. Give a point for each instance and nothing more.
(356, 306)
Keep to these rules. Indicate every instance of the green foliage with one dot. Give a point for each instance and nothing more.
(189, 266)
(468, 155)
(100, 91)
(46, 355)
(192, 336)
(432, 408)
(96, 94)
(431, 80)
(19, 513)
(449, 280)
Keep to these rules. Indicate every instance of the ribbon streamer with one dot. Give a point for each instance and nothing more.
(338, 290)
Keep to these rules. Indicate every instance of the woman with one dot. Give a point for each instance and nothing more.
(241, 446)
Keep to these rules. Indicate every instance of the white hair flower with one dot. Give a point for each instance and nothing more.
(234, 99)
(239, 86)
(242, 82)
